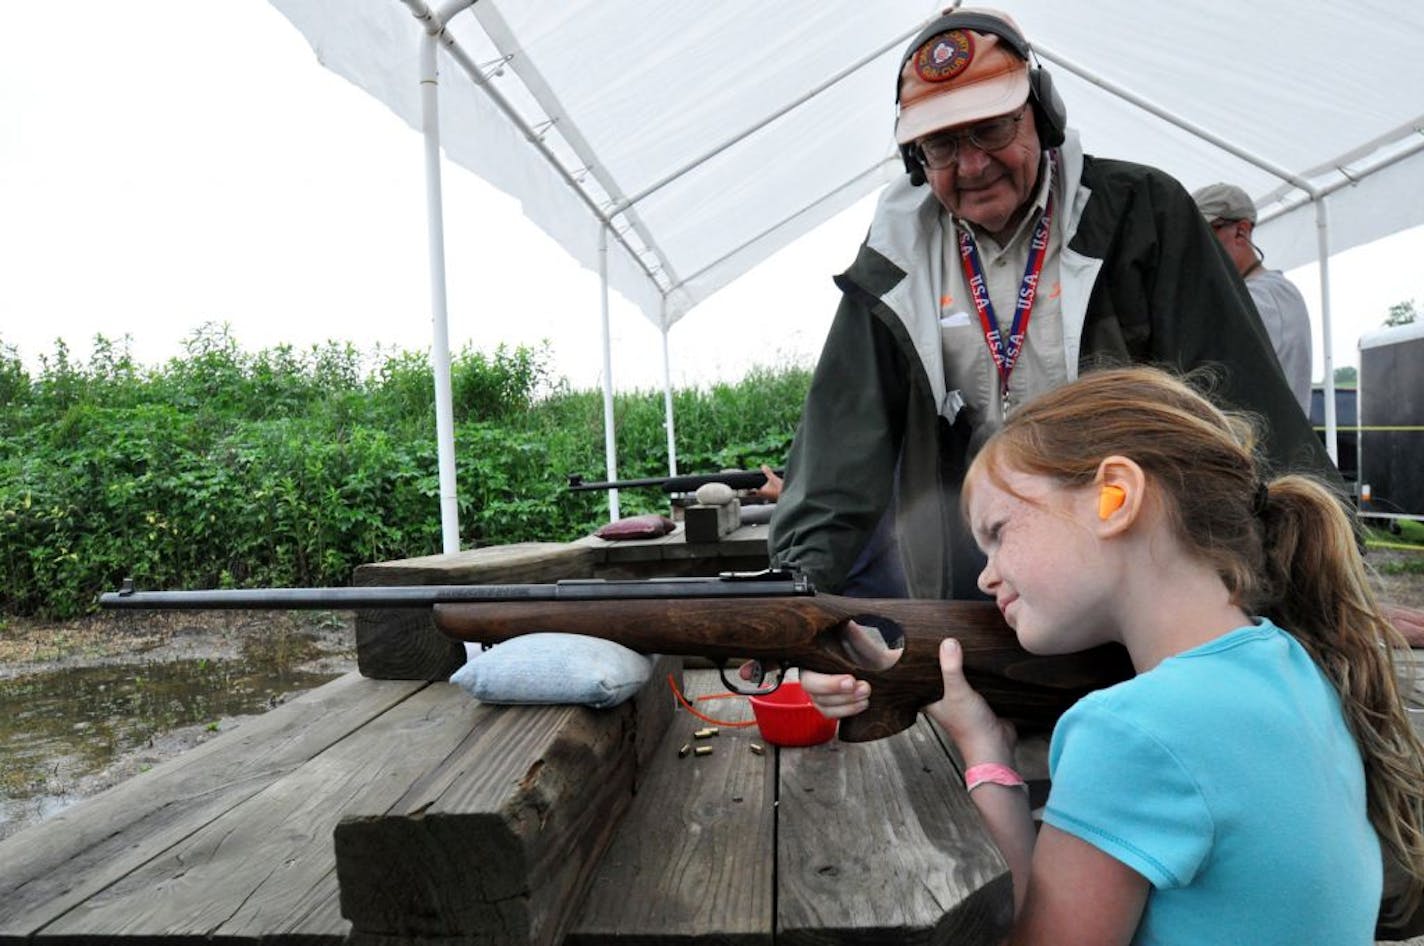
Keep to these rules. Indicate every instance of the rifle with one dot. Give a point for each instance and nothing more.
(737, 479)
(771, 617)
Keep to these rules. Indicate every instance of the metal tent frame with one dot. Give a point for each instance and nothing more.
(622, 227)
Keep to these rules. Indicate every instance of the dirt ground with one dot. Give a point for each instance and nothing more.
(1404, 588)
(28, 647)
(120, 637)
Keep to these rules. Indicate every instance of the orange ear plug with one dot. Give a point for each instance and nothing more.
(1110, 500)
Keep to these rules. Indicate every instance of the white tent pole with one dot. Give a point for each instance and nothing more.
(440, 343)
(667, 393)
(1322, 236)
(610, 434)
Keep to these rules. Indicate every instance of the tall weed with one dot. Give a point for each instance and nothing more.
(290, 467)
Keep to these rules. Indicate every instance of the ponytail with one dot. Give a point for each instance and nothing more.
(1315, 585)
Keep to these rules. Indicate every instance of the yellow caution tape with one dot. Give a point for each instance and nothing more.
(1376, 544)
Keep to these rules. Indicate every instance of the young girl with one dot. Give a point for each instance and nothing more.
(1248, 784)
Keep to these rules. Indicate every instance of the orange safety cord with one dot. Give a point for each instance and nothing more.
(672, 684)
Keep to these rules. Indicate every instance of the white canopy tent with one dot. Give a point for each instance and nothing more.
(673, 146)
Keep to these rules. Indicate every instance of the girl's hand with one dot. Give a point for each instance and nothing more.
(836, 695)
(965, 716)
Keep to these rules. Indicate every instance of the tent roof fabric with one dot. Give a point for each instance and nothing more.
(711, 136)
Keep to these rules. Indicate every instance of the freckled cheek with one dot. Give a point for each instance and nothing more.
(1009, 562)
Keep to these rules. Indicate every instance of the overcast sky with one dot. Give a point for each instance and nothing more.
(167, 163)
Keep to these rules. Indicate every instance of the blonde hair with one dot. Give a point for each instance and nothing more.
(1284, 549)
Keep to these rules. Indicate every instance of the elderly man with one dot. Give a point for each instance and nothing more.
(1232, 216)
(1022, 264)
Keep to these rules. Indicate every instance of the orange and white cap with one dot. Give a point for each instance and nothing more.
(957, 77)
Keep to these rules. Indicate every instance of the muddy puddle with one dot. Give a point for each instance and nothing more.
(67, 731)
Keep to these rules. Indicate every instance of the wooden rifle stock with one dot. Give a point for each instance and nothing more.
(805, 632)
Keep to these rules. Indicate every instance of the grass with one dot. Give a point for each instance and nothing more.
(1409, 542)
(1409, 566)
(1411, 534)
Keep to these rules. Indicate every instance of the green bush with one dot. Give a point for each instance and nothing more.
(287, 467)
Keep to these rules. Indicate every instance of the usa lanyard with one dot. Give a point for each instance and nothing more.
(1006, 354)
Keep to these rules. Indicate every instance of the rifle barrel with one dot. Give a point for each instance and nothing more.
(755, 585)
(737, 479)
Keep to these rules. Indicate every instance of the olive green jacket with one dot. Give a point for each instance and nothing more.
(1143, 280)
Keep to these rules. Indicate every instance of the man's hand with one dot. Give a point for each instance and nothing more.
(1407, 621)
(771, 489)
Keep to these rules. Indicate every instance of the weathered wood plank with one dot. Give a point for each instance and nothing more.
(316, 919)
(693, 859)
(879, 842)
(656, 708)
(494, 564)
(403, 643)
(262, 865)
(53, 867)
(497, 842)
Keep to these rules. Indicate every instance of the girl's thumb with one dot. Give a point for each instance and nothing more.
(951, 664)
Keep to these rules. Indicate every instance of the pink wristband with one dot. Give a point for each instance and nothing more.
(992, 773)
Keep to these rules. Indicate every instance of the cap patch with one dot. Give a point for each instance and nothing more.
(945, 56)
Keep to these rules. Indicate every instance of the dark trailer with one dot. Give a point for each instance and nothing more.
(1346, 420)
(1391, 432)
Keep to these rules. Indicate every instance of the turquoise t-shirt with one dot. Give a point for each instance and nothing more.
(1226, 776)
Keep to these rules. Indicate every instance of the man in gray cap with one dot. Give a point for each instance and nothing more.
(1232, 216)
(1022, 264)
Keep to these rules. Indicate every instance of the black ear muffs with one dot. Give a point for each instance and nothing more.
(913, 165)
(1049, 114)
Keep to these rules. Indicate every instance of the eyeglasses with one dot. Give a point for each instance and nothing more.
(942, 150)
